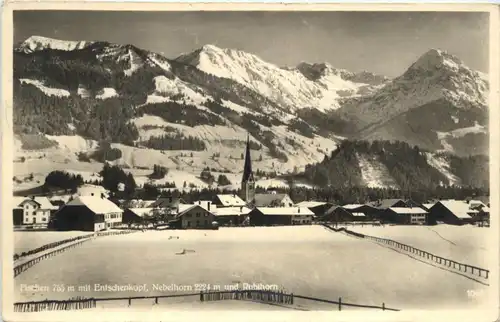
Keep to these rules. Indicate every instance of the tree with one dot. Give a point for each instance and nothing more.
(222, 180)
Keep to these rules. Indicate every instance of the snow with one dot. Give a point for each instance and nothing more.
(465, 244)
(83, 92)
(457, 133)
(440, 163)
(300, 259)
(236, 107)
(285, 86)
(135, 63)
(374, 173)
(162, 64)
(37, 43)
(73, 143)
(28, 240)
(47, 90)
(106, 92)
(166, 86)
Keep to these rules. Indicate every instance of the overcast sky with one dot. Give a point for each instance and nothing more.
(385, 43)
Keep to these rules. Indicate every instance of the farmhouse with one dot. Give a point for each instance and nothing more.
(228, 200)
(318, 207)
(388, 203)
(369, 211)
(453, 212)
(193, 216)
(136, 215)
(232, 216)
(338, 214)
(273, 200)
(33, 211)
(88, 213)
(406, 216)
(166, 203)
(282, 216)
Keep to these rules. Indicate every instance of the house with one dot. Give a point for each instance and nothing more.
(367, 210)
(406, 215)
(232, 216)
(206, 204)
(33, 211)
(92, 190)
(273, 200)
(428, 206)
(318, 207)
(280, 216)
(193, 217)
(88, 213)
(228, 200)
(136, 215)
(453, 212)
(388, 203)
(166, 203)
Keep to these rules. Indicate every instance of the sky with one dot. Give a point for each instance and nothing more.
(380, 42)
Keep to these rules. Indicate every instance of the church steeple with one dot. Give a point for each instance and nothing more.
(247, 181)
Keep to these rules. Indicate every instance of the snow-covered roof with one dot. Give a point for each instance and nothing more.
(285, 211)
(97, 205)
(43, 202)
(408, 211)
(266, 199)
(231, 211)
(311, 204)
(141, 211)
(206, 204)
(18, 200)
(459, 208)
(352, 206)
(358, 214)
(184, 208)
(231, 200)
(428, 205)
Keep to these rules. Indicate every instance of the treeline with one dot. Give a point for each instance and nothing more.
(176, 142)
(113, 178)
(407, 165)
(105, 153)
(159, 172)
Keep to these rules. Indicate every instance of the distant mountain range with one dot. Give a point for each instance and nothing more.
(76, 94)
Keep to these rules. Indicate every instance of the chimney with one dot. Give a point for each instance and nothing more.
(241, 208)
(102, 196)
(208, 204)
(298, 210)
(92, 194)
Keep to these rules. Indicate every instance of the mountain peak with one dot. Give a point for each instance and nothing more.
(436, 59)
(37, 43)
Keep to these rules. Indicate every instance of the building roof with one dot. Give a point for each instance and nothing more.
(165, 202)
(333, 208)
(184, 208)
(285, 211)
(232, 211)
(141, 212)
(354, 206)
(18, 200)
(459, 208)
(408, 211)
(387, 203)
(231, 200)
(43, 202)
(311, 204)
(266, 199)
(358, 214)
(206, 204)
(97, 205)
(428, 205)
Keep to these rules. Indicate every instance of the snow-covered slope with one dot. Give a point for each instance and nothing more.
(36, 43)
(285, 86)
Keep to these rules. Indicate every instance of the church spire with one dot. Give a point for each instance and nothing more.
(247, 170)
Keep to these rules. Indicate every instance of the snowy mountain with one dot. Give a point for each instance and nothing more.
(286, 86)
(195, 111)
(437, 94)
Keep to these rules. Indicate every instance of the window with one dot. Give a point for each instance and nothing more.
(206, 222)
(44, 219)
(206, 214)
(27, 207)
(197, 223)
(189, 224)
(198, 214)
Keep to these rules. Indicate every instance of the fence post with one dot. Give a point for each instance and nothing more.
(291, 299)
(129, 301)
(201, 296)
(340, 304)
(383, 306)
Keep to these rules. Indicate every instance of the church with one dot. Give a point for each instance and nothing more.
(248, 180)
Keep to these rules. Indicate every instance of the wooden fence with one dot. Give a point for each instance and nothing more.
(481, 272)
(51, 245)
(18, 269)
(271, 297)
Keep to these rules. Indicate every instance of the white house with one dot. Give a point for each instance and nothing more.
(36, 211)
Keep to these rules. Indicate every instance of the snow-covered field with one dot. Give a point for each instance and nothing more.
(28, 240)
(466, 244)
(305, 260)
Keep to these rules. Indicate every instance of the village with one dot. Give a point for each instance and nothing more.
(91, 209)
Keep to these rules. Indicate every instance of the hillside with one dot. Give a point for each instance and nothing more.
(396, 165)
(80, 103)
